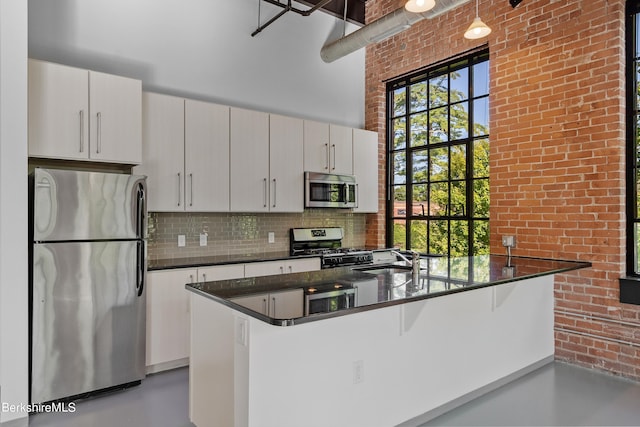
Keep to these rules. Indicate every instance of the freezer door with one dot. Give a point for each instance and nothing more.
(88, 318)
(71, 205)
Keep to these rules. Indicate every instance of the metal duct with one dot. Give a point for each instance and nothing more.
(387, 26)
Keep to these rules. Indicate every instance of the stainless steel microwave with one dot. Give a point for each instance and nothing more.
(323, 190)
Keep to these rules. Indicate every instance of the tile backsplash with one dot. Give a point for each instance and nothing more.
(240, 233)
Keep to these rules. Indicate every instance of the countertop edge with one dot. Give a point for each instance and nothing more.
(344, 312)
(178, 263)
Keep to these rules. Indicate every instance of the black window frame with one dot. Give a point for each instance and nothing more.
(632, 139)
(467, 213)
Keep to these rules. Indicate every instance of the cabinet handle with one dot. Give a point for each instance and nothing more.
(281, 269)
(333, 147)
(273, 313)
(191, 196)
(328, 158)
(290, 269)
(191, 278)
(264, 306)
(274, 192)
(265, 192)
(99, 142)
(179, 192)
(204, 277)
(81, 131)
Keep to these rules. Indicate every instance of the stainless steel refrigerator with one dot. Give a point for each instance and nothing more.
(87, 282)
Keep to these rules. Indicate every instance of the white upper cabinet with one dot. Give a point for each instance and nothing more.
(286, 174)
(341, 149)
(76, 114)
(249, 161)
(163, 151)
(185, 154)
(58, 111)
(266, 162)
(115, 125)
(206, 146)
(327, 148)
(365, 168)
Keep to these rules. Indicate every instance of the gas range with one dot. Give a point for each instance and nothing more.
(327, 243)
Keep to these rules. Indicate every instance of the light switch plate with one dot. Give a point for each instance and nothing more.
(182, 240)
(203, 239)
(271, 237)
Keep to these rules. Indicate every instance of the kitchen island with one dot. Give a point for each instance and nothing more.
(407, 349)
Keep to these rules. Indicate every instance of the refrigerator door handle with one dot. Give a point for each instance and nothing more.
(141, 209)
(141, 225)
(140, 267)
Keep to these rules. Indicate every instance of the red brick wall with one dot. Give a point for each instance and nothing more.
(557, 150)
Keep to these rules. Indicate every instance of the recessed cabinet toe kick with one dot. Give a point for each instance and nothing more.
(387, 358)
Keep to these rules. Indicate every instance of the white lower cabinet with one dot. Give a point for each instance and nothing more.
(168, 318)
(279, 305)
(271, 268)
(168, 310)
(221, 272)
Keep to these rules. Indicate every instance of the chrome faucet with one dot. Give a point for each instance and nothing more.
(414, 261)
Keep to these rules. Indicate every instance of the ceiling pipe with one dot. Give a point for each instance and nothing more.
(387, 26)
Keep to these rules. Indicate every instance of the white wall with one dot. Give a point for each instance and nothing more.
(13, 206)
(204, 49)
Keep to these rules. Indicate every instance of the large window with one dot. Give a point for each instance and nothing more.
(633, 136)
(438, 153)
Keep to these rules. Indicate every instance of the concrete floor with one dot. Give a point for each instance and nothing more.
(554, 395)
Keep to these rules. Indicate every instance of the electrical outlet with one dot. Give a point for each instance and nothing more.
(182, 240)
(358, 371)
(203, 239)
(509, 241)
(271, 237)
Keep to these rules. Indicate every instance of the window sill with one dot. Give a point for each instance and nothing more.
(630, 290)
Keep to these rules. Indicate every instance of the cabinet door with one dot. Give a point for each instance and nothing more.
(302, 265)
(168, 315)
(221, 272)
(341, 149)
(257, 303)
(265, 268)
(365, 168)
(163, 152)
(286, 304)
(316, 146)
(115, 124)
(286, 158)
(249, 161)
(58, 111)
(206, 141)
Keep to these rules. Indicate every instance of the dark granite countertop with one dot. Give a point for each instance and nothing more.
(170, 263)
(439, 276)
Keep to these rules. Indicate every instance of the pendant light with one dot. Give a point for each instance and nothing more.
(477, 29)
(419, 6)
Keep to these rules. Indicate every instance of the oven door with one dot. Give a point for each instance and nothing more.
(327, 302)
